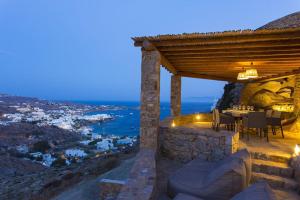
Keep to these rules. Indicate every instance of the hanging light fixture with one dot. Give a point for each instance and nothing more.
(252, 72)
(242, 76)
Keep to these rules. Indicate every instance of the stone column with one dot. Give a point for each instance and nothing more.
(175, 95)
(296, 95)
(150, 99)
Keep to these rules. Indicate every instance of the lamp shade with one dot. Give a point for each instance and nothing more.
(251, 73)
(242, 76)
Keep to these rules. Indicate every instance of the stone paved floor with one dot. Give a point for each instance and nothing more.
(276, 145)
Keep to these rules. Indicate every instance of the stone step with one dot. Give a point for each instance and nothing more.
(287, 194)
(270, 157)
(275, 182)
(272, 168)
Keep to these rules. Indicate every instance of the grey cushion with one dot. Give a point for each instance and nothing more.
(181, 196)
(208, 180)
(257, 191)
(246, 157)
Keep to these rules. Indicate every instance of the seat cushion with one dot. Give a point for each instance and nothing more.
(208, 180)
(246, 157)
(257, 191)
(189, 179)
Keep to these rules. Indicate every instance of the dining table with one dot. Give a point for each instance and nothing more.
(238, 115)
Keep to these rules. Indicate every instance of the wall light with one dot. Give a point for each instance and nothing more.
(173, 124)
(296, 150)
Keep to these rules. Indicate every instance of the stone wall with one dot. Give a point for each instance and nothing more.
(109, 189)
(187, 119)
(185, 143)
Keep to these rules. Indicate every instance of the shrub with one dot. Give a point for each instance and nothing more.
(37, 133)
(41, 146)
(59, 162)
(95, 142)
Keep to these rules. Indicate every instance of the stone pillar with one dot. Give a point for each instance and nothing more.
(175, 95)
(296, 95)
(150, 99)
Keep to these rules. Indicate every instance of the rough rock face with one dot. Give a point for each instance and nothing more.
(289, 21)
(231, 95)
(265, 99)
(266, 94)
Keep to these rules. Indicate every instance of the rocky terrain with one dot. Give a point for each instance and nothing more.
(47, 146)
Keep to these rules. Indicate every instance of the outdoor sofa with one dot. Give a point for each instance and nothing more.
(219, 180)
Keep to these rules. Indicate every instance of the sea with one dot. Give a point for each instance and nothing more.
(126, 115)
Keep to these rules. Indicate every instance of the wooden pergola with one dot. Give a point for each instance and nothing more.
(216, 56)
(222, 55)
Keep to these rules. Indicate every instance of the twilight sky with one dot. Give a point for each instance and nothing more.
(82, 50)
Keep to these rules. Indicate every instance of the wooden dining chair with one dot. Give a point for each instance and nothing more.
(275, 121)
(256, 120)
(222, 119)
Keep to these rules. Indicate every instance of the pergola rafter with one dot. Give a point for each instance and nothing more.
(222, 55)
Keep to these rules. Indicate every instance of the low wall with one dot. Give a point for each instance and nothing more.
(188, 119)
(185, 143)
(142, 179)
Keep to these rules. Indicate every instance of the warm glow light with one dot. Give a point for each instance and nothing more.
(198, 117)
(283, 107)
(296, 150)
(173, 124)
(251, 73)
(242, 76)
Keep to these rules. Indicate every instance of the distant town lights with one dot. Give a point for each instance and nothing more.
(198, 117)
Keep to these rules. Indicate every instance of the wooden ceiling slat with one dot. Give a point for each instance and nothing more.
(235, 54)
(239, 45)
(217, 41)
(239, 57)
(235, 50)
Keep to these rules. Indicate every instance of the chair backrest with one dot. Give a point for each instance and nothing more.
(276, 114)
(257, 120)
(269, 113)
(216, 115)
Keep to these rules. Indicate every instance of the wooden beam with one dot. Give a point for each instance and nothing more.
(236, 54)
(235, 50)
(293, 72)
(258, 44)
(168, 65)
(148, 46)
(204, 76)
(233, 60)
(240, 57)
